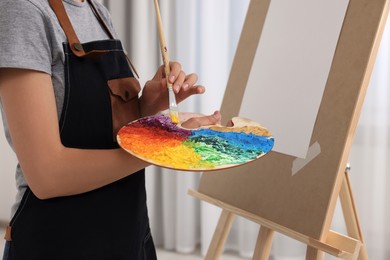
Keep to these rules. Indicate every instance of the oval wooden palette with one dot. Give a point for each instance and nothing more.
(158, 141)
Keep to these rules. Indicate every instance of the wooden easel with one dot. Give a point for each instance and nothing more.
(349, 247)
(264, 191)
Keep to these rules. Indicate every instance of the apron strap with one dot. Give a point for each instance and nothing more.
(104, 24)
(101, 20)
(74, 42)
(7, 236)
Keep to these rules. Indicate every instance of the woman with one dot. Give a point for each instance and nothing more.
(61, 74)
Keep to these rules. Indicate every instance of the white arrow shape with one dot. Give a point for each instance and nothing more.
(299, 163)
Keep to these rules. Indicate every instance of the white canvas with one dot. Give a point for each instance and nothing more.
(290, 69)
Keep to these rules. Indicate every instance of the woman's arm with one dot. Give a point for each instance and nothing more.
(51, 169)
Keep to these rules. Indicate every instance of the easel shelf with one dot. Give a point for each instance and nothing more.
(345, 247)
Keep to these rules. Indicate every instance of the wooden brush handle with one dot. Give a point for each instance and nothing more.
(163, 46)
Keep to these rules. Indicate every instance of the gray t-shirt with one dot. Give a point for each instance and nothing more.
(31, 38)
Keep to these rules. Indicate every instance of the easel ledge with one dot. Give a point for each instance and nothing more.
(346, 247)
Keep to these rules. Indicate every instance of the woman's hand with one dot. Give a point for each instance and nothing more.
(155, 95)
(198, 121)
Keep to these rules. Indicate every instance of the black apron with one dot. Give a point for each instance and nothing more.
(107, 223)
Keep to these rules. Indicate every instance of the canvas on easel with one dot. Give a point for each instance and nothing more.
(291, 195)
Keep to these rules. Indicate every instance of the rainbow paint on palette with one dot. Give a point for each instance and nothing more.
(158, 141)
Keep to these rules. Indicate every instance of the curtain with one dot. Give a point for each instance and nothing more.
(203, 36)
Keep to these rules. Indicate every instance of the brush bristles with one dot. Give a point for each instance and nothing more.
(173, 111)
(174, 114)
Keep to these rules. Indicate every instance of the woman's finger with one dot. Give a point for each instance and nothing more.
(178, 84)
(194, 90)
(190, 80)
(175, 71)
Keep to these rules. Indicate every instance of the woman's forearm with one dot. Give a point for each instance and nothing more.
(69, 171)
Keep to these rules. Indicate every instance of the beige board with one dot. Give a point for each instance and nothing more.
(305, 201)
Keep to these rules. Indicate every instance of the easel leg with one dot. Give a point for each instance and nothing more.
(350, 215)
(220, 235)
(263, 244)
(314, 254)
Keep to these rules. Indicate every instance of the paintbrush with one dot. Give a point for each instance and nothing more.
(173, 110)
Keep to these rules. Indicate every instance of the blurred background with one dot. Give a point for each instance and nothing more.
(203, 36)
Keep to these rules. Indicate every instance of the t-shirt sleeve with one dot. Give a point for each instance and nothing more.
(24, 38)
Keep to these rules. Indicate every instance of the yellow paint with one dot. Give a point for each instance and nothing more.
(174, 116)
(171, 153)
